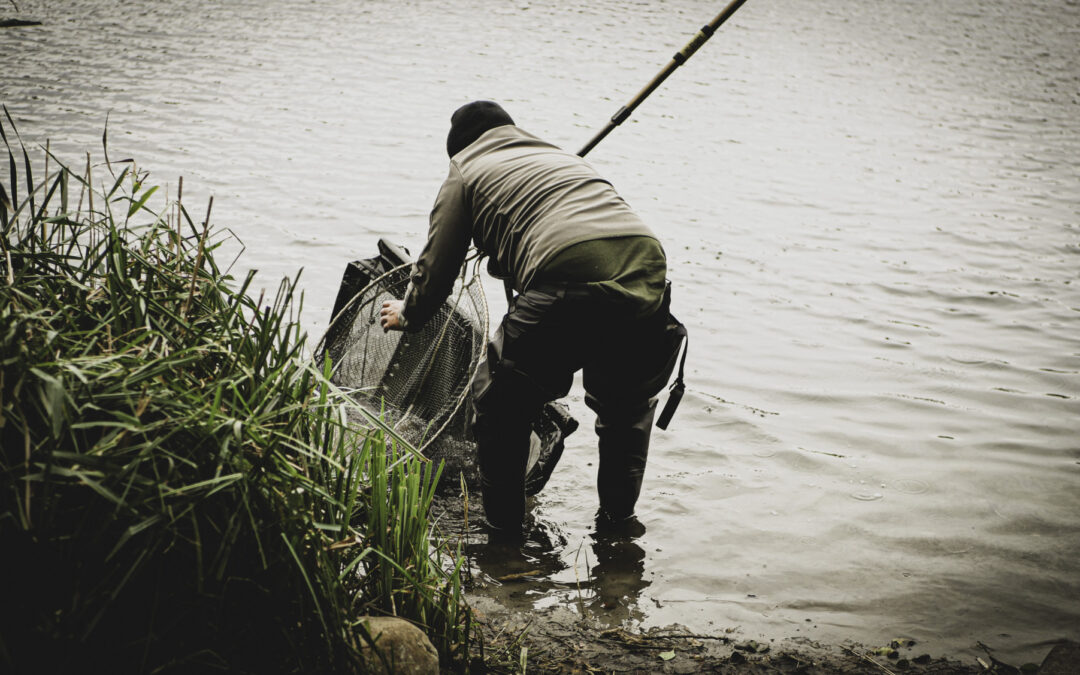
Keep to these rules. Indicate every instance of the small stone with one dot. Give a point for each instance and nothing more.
(736, 657)
(404, 647)
(922, 659)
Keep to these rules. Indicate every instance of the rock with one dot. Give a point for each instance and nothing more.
(1063, 659)
(403, 646)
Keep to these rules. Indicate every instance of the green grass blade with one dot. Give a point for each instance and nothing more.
(136, 205)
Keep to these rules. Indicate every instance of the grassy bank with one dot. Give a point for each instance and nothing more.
(179, 488)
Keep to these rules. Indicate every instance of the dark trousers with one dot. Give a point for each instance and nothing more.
(549, 334)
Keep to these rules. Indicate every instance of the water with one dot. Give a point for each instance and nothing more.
(871, 210)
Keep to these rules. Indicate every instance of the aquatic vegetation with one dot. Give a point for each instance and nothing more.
(180, 488)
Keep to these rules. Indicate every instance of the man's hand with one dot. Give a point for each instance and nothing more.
(390, 316)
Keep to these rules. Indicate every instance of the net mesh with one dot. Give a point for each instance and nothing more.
(416, 381)
(419, 382)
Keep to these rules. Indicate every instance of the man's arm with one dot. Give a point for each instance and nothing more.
(439, 263)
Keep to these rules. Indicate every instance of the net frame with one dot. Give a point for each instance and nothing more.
(350, 312)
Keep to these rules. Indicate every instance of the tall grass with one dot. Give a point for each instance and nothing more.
(180, 489)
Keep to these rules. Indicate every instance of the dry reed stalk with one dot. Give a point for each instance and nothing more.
(82, 187)
(90, 194)
(198, 258)
(44, 224)
(179, 218)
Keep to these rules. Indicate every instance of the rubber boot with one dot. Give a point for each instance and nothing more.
(502, 447)
(623, 439)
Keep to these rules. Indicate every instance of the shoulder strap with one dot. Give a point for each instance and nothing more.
(678, 387)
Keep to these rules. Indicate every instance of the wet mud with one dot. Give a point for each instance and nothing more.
(561, 640)
(526, 620)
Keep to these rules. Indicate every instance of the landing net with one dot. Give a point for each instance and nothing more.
(418, 381)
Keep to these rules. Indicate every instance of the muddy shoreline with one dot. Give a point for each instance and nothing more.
(559, 640)
(516, 632)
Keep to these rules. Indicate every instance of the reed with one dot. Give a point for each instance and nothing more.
(180, 488)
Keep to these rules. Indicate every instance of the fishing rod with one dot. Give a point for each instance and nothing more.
(681, 57)
(678, 387)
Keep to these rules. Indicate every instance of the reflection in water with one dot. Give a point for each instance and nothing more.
(538, 557)
(618, 577)
(609, 590)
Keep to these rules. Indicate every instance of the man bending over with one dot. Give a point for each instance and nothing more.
(591, 284)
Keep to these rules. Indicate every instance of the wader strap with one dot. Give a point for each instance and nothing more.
(678, 387)
(509, 288)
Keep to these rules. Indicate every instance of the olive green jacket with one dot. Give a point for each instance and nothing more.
(521, 201)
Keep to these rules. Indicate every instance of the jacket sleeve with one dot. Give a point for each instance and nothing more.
(439, 263)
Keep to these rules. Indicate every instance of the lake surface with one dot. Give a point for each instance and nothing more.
(872, 216)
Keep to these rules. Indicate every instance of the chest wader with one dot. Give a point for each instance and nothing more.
(550, 333)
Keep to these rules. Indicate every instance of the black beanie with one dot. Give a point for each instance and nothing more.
(470, 121)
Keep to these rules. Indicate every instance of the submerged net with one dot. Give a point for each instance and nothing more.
(416, 381)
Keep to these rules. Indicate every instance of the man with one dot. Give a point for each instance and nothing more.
(591, 284)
